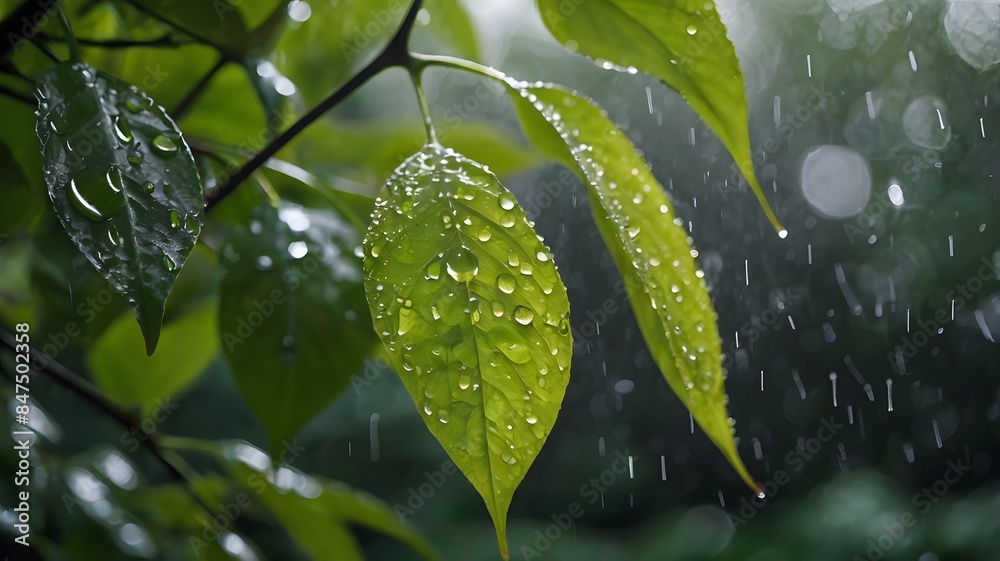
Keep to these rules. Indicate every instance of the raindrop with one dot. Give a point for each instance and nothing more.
(170, 265)
(191, 225)
(506, 283)
(523, 315)
(462, 265)
(175, 219)
(97, 196)
(164, 145)
(507, 201)
(122, 130)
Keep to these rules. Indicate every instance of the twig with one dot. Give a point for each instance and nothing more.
(18, 96)
(189, 99)
(394, 54)
(166, 41)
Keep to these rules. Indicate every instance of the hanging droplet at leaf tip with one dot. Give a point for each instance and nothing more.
(782, 233)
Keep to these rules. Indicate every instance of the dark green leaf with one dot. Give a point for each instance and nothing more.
(653, 252)
(123, 183)
(473, 315)
(217, 22)
(318, 513)
(292, 319)
(683, 43)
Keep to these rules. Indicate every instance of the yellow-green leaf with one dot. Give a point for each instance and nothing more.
(651, 250)
(473, 314)
(681, 42)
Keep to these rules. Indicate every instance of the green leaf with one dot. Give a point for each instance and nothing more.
(450, 24)
(681, 42)
(20, 201)
(123, 183)
(315, 512)
(651, 250)
(218, 22)
(291, 282)
(473, 315)
(129, 377)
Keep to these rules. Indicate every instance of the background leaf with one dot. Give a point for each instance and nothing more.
(474, 316)
(123, 183)
(318, 514)
(20, 200)
(450, 25)
(683, 43)
(292, 283)
(666, 287)
(188, 344)
(218, 22)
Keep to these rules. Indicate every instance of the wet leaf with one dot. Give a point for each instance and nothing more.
(292, 319)
(473, 315)
(318, 514)
(652, 251)
(123, 183)
(681, 42)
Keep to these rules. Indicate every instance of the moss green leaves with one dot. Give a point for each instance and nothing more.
(123, 183)
(293, 320)
(473, 314)
(653, 253)
(681, 42)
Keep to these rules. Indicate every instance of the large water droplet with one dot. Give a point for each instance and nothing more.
(506, 283)
(191, 225)
(507, 201)
(97, 196)
(433, 271)
(462, 265)
(136, 102)
(164, 145)
(122, 130)
(523, 315)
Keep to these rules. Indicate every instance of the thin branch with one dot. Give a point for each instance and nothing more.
(189, 99)
(4, 90)
(163, 20)
(21, 20)
(85, 390)
(166, 41)
(41, 46)
(394, 54)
